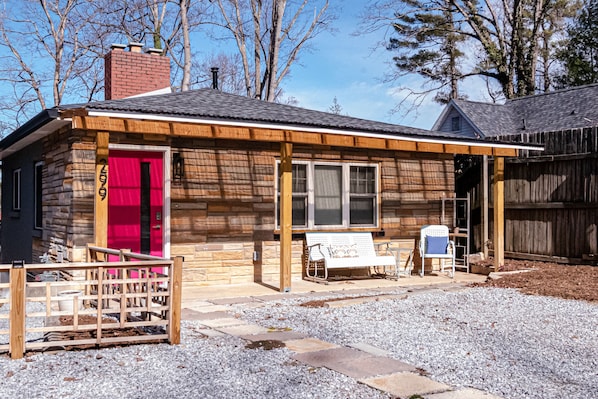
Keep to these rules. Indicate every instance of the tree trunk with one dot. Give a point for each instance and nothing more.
(184, 4)
(277, 13)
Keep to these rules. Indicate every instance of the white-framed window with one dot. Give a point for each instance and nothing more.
(37, 181)
(332, 195)
(16, 189)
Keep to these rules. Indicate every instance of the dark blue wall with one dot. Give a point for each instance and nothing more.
(18, 226)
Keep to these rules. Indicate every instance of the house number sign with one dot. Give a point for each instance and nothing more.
(103, 179)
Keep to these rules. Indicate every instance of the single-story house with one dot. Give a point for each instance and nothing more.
(228, 182)
(551, 196)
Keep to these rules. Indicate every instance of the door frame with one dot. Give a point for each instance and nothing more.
(166, 170)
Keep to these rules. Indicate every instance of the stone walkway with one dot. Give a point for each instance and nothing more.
(367, 364)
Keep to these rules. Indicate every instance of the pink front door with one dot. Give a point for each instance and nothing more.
(135, 201)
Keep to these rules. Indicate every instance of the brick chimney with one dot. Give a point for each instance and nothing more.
(132, 73)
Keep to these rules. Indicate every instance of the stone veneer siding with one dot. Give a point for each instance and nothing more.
(222, 212)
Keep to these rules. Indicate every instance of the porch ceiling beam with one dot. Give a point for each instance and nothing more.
(215, 131)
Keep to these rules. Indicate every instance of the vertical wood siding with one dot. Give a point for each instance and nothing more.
(551, 197)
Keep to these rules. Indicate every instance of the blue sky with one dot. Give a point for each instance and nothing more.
(344, 66)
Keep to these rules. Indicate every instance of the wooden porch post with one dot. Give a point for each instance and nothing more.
(485, 217)
(101, 190)
(17, 311)
(286, 215)
(175, 302)
(499, 213)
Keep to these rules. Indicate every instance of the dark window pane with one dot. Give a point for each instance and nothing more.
(455, 124)
(38, 196)
(145, 218)
(362, 211)
(299, 212)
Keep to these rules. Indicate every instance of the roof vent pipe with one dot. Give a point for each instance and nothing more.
(524, 125)
(214, 78)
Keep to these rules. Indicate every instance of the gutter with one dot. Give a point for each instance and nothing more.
(421, 139)
(39, 120)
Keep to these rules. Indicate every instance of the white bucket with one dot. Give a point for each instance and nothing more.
(66, 304)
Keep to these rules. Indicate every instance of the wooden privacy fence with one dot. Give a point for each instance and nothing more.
(551, 198)
(116, 298)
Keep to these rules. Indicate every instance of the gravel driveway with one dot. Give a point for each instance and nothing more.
(496, 340)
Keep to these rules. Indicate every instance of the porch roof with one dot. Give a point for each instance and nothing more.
(251, 119)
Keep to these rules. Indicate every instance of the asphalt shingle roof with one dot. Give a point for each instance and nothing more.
(215, 105)
(571, 108)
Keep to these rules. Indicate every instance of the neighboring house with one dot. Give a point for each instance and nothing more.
(198, 174)
(551, 196)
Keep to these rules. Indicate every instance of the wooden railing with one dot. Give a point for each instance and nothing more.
(131, 298)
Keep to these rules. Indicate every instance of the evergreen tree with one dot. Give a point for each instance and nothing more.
(580, 52)
(335, 108)
(426, 43)
(510, 43)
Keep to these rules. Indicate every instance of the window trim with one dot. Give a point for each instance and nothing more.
(16, 189)
(38, 192)
(345, 197)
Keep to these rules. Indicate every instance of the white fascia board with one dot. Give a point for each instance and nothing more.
(418, 139)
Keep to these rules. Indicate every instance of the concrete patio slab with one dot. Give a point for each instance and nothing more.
(192, 314)
(274, 336)
(224, 322)
(189, 314)
(372, 350)
(244, 329)
(197, 304)
(233, 301)
(208, 332)
(330, 356)
(467, 393)
(309, 345)
(369, 366)
(276, 297)
(195, 293)
(209, 309)
(404, 385)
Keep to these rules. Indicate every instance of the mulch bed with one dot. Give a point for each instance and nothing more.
(550, 279)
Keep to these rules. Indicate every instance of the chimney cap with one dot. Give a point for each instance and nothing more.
(135, 47)
(118, 46)
(153, 50)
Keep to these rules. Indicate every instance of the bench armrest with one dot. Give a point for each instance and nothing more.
(386, 247)
(317, 249)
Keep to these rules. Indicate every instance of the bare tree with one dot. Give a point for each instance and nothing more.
(44, 51)
(275, 32)
(166, 24)
(230, 73)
